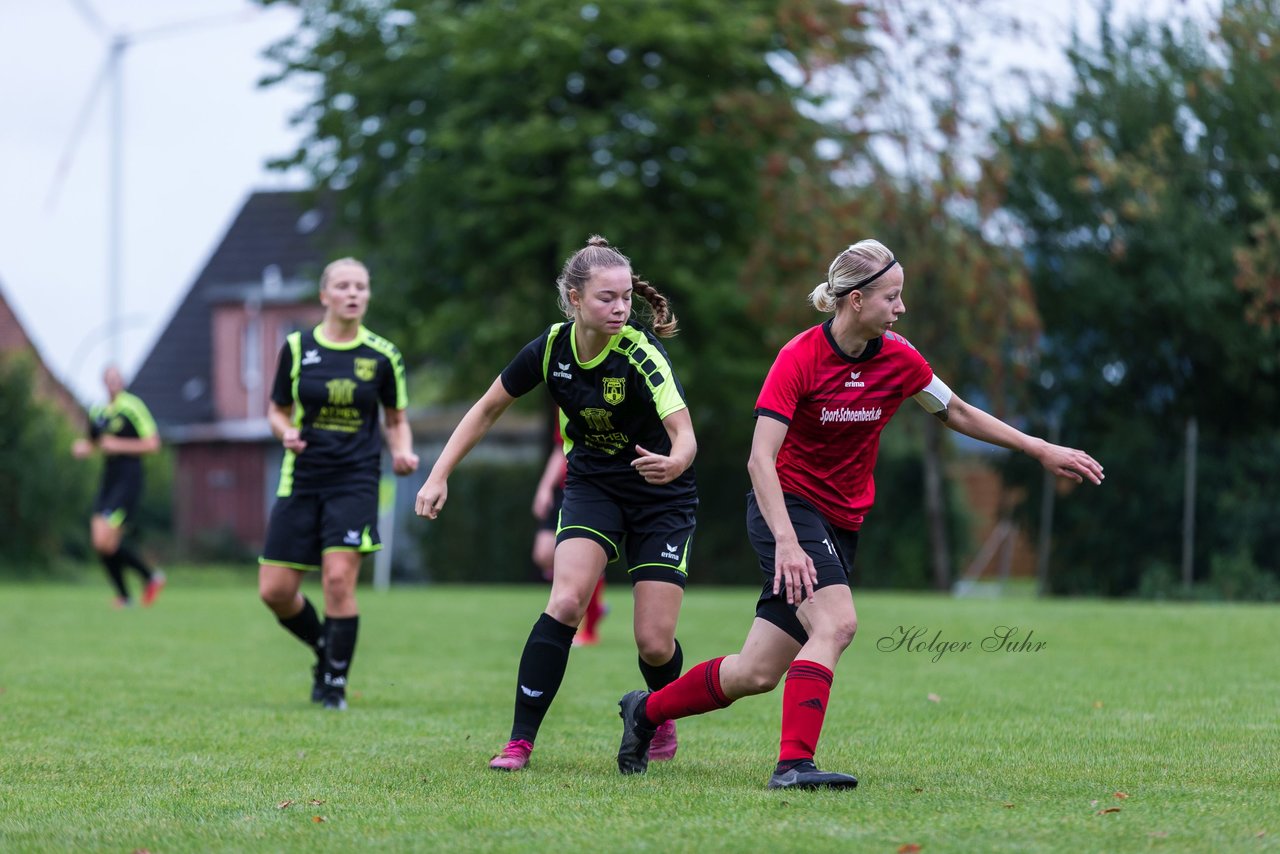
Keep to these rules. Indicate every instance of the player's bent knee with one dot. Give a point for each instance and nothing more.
(655, 649)
(759, 682)
(567, 607)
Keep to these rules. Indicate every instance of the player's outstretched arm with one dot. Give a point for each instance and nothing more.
(470, 430)
(1058, 459)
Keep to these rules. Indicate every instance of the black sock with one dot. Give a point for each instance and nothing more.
(115, 572)
(339, 648)
(130, 558)
(305, 626)
(542, 664)
(661, 675)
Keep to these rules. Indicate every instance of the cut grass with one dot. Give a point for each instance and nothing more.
(186, 726)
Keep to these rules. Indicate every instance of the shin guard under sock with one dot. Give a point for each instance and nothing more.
(542, 666)
(694, 693)
(804, 706)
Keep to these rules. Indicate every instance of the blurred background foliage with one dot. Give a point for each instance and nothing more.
(1099, 258)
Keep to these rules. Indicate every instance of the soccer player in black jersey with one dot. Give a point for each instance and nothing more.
(124, 431)
(629, 493)
(324, 409)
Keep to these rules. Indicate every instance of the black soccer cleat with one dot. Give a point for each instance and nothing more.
(317, 683)
(805, 775)
(633, 753)
(335, 699)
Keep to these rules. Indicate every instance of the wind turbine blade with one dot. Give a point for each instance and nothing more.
(77, 131)
(90, 17)
(240, 17)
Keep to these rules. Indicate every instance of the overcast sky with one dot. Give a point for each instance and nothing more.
(198, 132)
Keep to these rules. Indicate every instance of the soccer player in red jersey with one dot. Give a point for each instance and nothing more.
(830, 392)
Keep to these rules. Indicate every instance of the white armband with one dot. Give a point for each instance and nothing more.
(935, 396)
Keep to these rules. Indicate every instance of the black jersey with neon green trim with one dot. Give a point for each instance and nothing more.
(334, 389)
(127, 417)
(608, 405)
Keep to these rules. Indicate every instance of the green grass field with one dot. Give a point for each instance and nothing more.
(187, 727)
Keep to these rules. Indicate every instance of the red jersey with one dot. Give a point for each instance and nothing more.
(835, 407)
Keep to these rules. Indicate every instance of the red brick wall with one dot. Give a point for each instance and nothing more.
(220, 486)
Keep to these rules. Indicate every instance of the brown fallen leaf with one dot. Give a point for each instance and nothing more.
(1108, 809)
(1097, 704)
(284, 804)
(1009, 806)
(1260, 834)
(315, 802)
(917, 789)
(909, 848)
(1122, 795)
(318, 819)
(934, 698)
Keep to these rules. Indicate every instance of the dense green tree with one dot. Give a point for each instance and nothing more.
(1145, 193)
(476, 144)
(46, 495)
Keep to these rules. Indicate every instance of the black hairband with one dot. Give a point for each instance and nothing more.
(883, 270)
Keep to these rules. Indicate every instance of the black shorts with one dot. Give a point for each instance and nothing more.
(830, 548)
(117, 498)
(654, 538)
(551, 520)
(304, 526)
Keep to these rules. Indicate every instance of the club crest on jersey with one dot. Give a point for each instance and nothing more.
(366, 369)
(615, 390)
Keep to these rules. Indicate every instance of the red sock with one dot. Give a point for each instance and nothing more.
(697, 691)
(595, 608)
(804, 705)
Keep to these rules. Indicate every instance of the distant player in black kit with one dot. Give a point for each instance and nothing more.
(324, 409)
(629, 493)
(831, 391)
(124, 431)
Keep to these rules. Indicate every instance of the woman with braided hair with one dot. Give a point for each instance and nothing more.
(629, 493)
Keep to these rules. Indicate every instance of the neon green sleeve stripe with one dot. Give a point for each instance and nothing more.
(386, 348)
(546, 351)
(666, 397)
(135, 410)
(295, 369)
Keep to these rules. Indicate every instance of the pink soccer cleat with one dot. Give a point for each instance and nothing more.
(154, 586)
(513, 757)
(663, 746)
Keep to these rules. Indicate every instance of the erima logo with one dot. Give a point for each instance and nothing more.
(562, 372)
(853, 380)
(671, 552)
(352, 537)
(529, 692)
(311, 357)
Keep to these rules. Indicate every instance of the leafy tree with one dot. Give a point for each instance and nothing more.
(47, 495)
(1144, 193)
(477, 144)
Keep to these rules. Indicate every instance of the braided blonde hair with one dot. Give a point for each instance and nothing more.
(599, 255)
